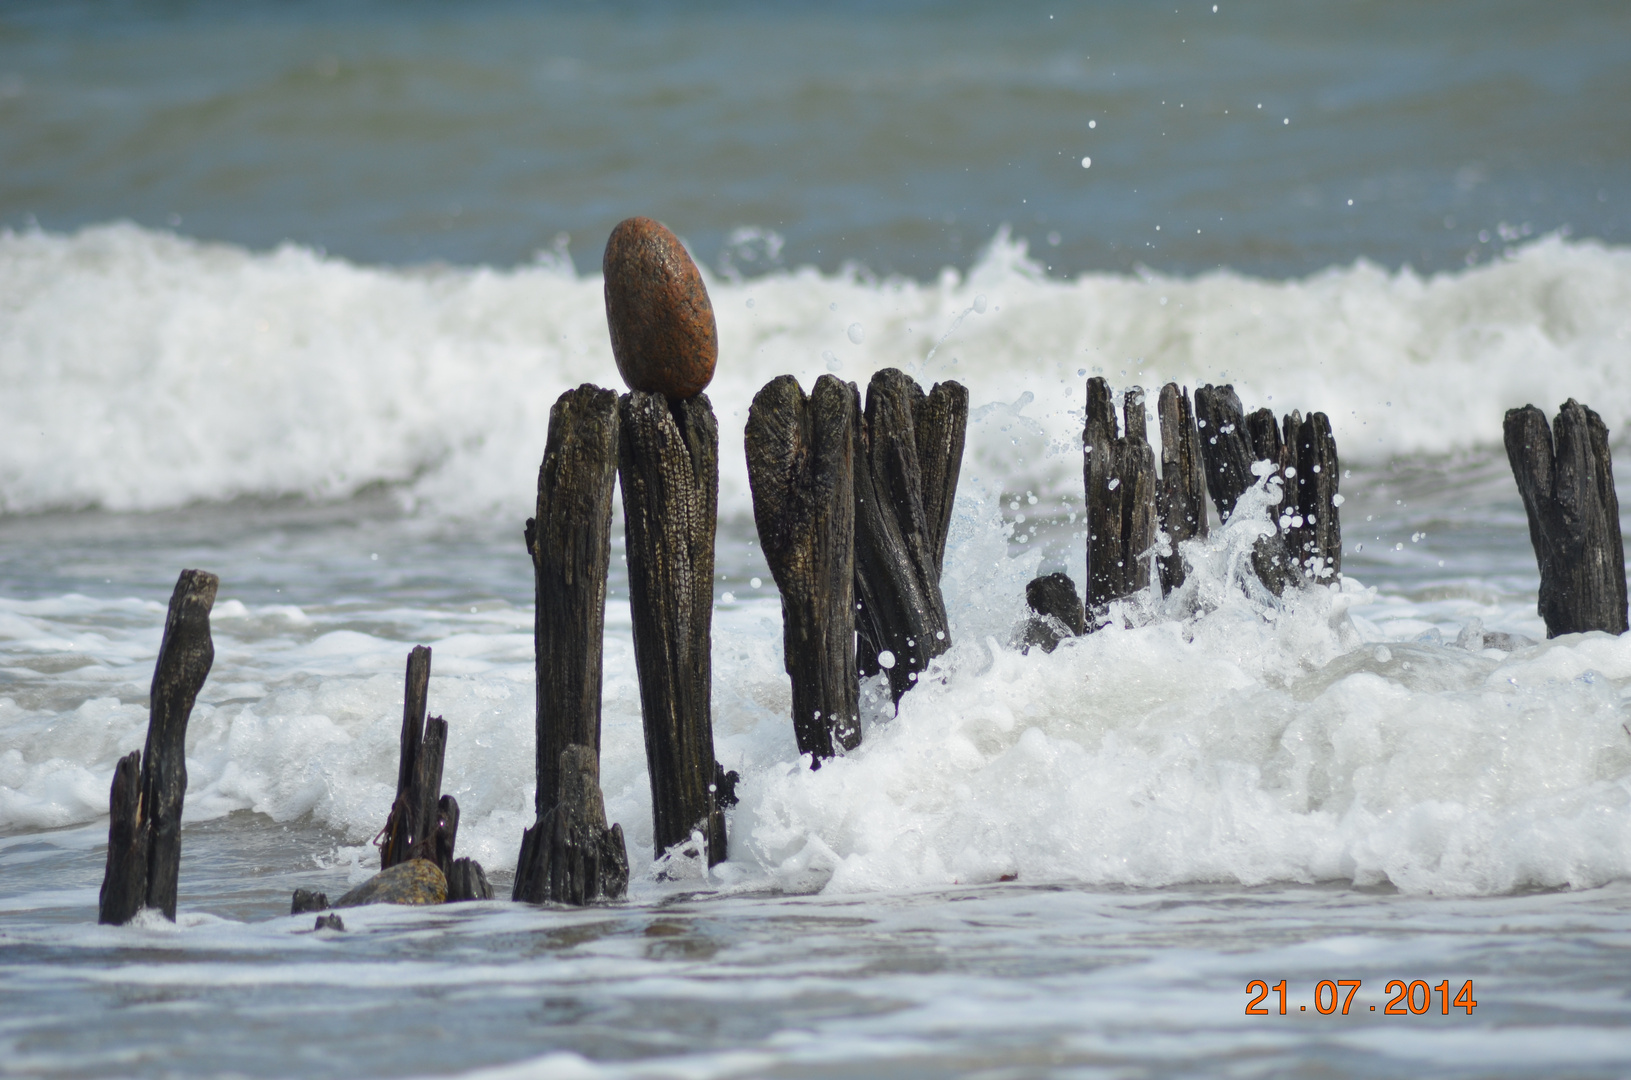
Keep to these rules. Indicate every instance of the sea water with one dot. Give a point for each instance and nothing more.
(1065, 864)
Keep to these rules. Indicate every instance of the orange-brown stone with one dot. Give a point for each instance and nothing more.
(658, 311)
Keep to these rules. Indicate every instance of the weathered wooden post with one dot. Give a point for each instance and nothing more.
(1181, 494)
(908, 454)
(423, 823)
(1120, 485)
(1566, 477)
(144, 830)
(1307, 543)
(570, 544)
(665, 343)
(801, 467)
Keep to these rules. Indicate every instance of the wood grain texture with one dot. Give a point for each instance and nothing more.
(1565, 475)
(668, 468)
(801, 468)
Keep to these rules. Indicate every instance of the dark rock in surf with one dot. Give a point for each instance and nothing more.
(307, 900)
(657, 309)
(330, 921)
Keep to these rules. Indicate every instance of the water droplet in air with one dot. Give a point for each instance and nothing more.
(1080, 372)
(755, 582)
(855, 332)
(979, 305)
(886, 659)
(1092, 123)
(1115, 482)
(750, 301)
(1087, 163)
(833, 363)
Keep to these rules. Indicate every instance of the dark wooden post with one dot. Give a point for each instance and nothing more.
(570, 542)
(1227, 445)
(801, 467)
(1574, 516)
(902, 515)
(668, 466)
(1317, 540)
(413, 810)
(1119, 480)
(148, 825)
(570, 856)
(570, 545)
(1181, 496)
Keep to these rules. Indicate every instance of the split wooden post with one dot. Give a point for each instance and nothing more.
(1566, 477)
(668, 468)
(908, 454)
(570, 544)
(1181, 495)
(1307, 543)
(424, 823)
(1119, 479)
(144, 831)
(1229, 452)
(411, 827)
(801, 468)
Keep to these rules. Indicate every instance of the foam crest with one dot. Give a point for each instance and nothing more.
(147, 370)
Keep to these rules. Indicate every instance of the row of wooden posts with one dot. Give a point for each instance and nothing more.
(853, 506)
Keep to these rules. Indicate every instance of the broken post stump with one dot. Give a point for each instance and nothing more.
(1180, 498)
(1057, 612)
(412, 820)
(902, 515)
(423, 823)
(668, 468)
(1119, 479)
(467, 881)
(801, 468)
(144, 830)
(570, 856)
(1566, 478)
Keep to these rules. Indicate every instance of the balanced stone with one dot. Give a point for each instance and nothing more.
(661, 320)
(417, 881)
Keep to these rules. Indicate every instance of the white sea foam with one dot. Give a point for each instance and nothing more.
(1216, 736)
(147, 370)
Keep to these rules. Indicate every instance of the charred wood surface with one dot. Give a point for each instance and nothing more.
(124, 882)
(1181, 496)
(1120, 484)
(570, 544)
(570, 856)
(668, 464)
(902, 515)
(1230, 445)
(801, 467)
(1315, 536)
(146, 825)
(422, 824)
(467, 881)
(1566, 477)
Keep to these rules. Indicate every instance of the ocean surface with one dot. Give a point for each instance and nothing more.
(287, 291)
